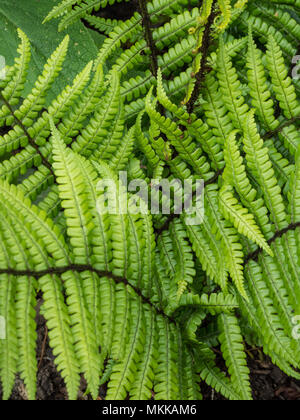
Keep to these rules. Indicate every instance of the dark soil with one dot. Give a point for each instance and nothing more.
(268, 382)
(117, 11)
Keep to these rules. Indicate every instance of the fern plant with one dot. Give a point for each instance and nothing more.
(129, 298)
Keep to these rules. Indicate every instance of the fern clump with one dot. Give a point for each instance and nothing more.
(202, 95)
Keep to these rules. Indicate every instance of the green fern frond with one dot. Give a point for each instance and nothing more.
(233, 351)
(79, 228)
(294, 191)
(62, 8)
(261, 96)
(282, 84)
(261, 167)
(35, 101)
(80, 9)
(13, 89)
(225, 8)
(230, 88)
(241, 219)
(212, 375)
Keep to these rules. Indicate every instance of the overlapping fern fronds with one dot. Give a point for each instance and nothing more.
(127, 297)
(179, 38)
(56, 239)
(249, 232)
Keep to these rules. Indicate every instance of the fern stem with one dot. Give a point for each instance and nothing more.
(30, 139)
(146, 22)
(287, 123)
(204, 52)
(80, 268)
(254, 255)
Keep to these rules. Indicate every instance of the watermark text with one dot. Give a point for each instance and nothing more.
(296, 329)
(2, 67)
(296, 68)
(2, 328)
(161, 196)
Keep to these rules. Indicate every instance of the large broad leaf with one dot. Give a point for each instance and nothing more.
(28, 15)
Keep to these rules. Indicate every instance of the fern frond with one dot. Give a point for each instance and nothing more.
(62, 8)
(259, 91)
(123, 374)
(259, 163)
(60, 334)
(230, 87)
(8, 354)
(72, 192)
(85, 105)
(16, 82)
(228, 236)
(294, 191)
(212, 375)
(282, 84)
(96, 131)
(235, 174)
(121, 158)
(233, 351)
(26, 332)
(80, 10)
(121, 33)
(79, 228)
(166, 385)
(184, 260)
(103, 25)
(215, 304)
(118, 219)
(225, 8)
(241, 218)
(35, 100)
(208, 252)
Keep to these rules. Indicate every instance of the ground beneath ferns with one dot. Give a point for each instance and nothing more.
(268, 382)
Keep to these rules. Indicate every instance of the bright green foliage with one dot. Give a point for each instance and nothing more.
(241, 219)
(233, 350)
(104, 264)
(250, 205)
(135, 300)
(178, 35)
